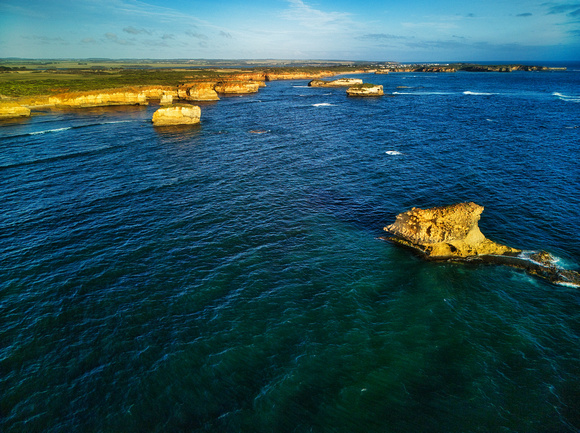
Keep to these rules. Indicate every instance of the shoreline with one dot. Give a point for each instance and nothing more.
(24, 91)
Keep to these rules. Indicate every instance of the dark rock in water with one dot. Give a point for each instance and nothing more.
(452, 233)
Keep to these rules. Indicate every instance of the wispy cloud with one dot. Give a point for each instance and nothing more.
(380, 37)
(309, 17)
(45, 40)
(197, 35)
(112, 37)
(570, 9)
(225, 35)
(133, 31)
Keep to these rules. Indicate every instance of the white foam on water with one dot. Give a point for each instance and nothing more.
(323, 104)
(393, 152)
(567, 98)
(477, 93)
(422, 93)
(50, 130)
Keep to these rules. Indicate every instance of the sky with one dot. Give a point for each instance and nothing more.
(373, 30)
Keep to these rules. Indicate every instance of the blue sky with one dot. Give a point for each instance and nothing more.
(402, 30)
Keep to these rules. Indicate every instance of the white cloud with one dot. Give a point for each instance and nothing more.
(312, 18)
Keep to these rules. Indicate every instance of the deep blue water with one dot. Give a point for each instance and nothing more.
(211, 279)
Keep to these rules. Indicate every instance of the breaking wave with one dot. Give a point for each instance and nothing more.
(477, 93)
(66, 128)
(568, 98)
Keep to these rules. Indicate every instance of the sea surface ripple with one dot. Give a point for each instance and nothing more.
(214, 279)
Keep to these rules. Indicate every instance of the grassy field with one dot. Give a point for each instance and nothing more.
(26, 83)
(34, 78)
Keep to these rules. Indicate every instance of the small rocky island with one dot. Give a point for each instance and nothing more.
(177, 114)
(452, 233)
(445, 232)
(341, 82)
(366, 89)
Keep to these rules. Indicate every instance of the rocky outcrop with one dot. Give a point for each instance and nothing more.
(99, 98)
(445, 232)
(297, 75)
(452, 233)
(157, 92)
(258, 77)
(436, 69)
(341, 82)
(10, 110)
(366, 89)
(237, 87)
(179, 114)
(198, 91)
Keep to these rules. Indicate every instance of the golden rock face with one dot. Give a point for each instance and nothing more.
(237, 87)
(341, 82)
(177, 115)
(11, 109)
(445, 232)
(99, 98)
(371, 90)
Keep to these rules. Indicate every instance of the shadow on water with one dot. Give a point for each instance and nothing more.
(178, 133)
(358, 211)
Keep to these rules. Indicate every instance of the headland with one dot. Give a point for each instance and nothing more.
(27, 86)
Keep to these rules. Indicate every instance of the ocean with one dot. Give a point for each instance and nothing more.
(231, 277)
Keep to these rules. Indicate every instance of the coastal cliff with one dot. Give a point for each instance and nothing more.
(103, 98)
(198, 91)
(10, 110)
(237, 87)
(297, 75)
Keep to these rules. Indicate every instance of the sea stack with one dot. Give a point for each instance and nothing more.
(446, 232)
(366, 89)
(341, 82)
(178, 114)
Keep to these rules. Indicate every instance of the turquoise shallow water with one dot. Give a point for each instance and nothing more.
(213, 279)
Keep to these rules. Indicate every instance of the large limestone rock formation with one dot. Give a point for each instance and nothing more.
(452, 232)
(198, 91)
(341, 82)
(237, 87)
(446, 232)
(99, 98)
(159, 92)
(366, 89)
(297, 75)
(10, 110)
(181, 114)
